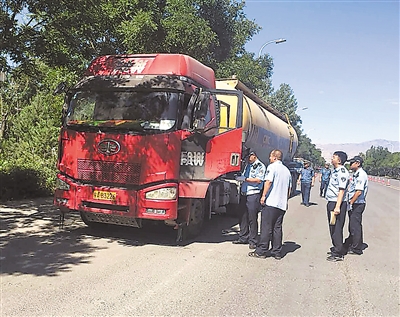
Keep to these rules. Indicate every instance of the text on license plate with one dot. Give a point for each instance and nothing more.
(97, 194)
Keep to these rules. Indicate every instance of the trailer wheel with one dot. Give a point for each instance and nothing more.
(196, 218)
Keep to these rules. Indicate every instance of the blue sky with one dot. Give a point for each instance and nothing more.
(341, 59)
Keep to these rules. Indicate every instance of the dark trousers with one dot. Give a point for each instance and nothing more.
(336, 230)
(271, 229)
(305, 193)
(355, 240)
(323, 187)
(248, 214)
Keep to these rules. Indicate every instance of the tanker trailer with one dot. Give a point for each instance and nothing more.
(264, 128)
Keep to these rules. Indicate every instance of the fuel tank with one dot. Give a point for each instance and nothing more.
(264, 128)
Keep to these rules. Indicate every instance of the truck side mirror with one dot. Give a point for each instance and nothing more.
(201, 109)
(188, 115)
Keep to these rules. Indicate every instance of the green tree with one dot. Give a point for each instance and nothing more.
(374, 157)
(285, 101)
(254, 73)
(31, 132)
(209, 30)
(13, 97)
(308, 151)
(379, 161)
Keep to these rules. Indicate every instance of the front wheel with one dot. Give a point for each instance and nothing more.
(196, 220)
(196, 217)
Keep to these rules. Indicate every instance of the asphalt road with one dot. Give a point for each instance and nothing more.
(76, 271)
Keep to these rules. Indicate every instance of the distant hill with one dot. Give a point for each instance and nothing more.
(353, 149)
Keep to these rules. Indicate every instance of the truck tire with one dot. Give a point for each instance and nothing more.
(196, 218)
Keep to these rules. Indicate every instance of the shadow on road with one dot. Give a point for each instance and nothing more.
(289, 247)
(31, 241)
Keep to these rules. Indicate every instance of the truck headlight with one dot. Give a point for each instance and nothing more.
(168, 193)
(61, 184)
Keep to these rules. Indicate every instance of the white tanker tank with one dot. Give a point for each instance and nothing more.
(264, 128)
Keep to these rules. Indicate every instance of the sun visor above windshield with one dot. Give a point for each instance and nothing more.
(152, 64)
(137, 82)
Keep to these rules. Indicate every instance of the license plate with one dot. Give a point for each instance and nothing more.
(101, 195)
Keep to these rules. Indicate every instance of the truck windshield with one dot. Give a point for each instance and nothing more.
(142, 110)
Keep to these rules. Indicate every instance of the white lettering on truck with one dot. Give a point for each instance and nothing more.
(192, 158)
(138, 67)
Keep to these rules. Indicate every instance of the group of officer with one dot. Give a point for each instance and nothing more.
(269, 188)
(346, 195)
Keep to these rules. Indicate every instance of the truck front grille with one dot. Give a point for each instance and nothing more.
(109, 172)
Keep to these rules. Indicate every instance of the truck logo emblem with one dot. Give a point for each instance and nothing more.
(108, 147)
(192, 158)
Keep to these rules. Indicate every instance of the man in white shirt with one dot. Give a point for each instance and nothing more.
(274, 198)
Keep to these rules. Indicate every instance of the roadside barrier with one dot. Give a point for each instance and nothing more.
(380, 180)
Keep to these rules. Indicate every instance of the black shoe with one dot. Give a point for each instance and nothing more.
(307, 205)
(334, 258)
(239, 242)
(354, 252)
(254, 254)
(277, 257)
(301, 203)
(331, 249)
(252, 246)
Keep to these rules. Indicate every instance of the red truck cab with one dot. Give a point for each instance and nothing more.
(140, 142)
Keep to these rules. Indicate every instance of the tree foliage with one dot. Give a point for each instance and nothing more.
(45, 42)
(71, 33)
(284, 100)
(254, 73)
(378, 161)
(308, 151)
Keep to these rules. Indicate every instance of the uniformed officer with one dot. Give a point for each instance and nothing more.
(337, 205)
(274, 198)
(252, 178)
(307, 181)
(324, 179)
(357, 194)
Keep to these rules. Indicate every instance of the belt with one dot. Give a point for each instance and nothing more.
(251, 192)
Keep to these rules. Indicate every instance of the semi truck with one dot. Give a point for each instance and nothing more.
(156, 138)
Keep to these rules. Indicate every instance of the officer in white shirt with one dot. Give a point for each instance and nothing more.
(337, 205)
(357, 194)
(274, 198)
